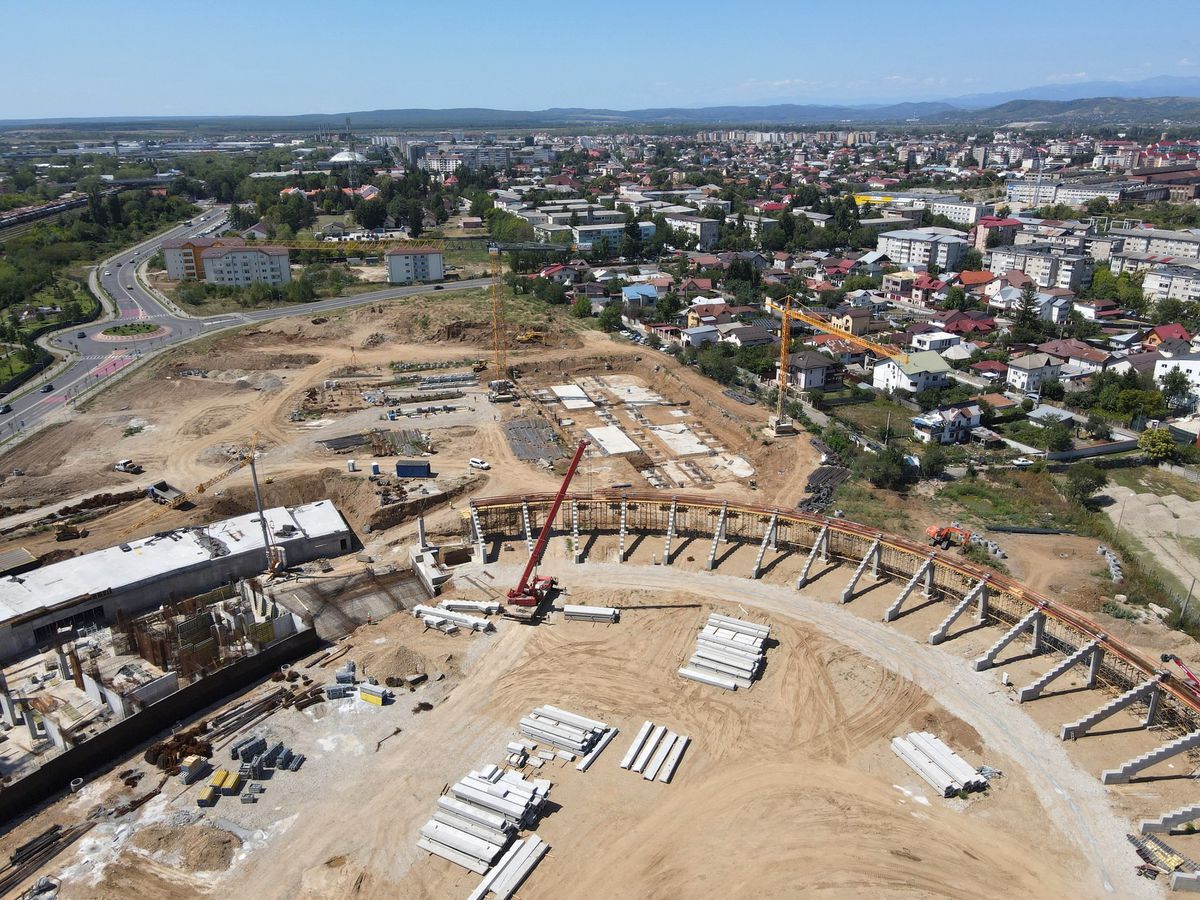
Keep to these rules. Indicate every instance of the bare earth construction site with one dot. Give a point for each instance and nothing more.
(680, 510)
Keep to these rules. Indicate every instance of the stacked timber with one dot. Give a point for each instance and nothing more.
(728, 653)
(476, 820)
(941, 768)
(655, 752)
(577, 613)
(436, 617)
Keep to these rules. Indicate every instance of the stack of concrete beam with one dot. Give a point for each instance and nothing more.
(728, 653)
(517, 753)
(655, 752)
(512, 870)
(486, 608)
(434, 616)
(943, 769)
(590, 613)
(562, 729)
(477, 819)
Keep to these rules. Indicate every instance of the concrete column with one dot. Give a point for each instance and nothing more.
(670, 532)
(1094, 669)
(621, 543)
(878, 556)
(576, 547)
(8, 709)
(718, 533)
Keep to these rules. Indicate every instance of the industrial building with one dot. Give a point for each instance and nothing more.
(92, 589)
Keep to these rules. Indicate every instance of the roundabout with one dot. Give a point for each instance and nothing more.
(132, 331)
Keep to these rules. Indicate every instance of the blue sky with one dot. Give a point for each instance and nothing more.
(180, 57)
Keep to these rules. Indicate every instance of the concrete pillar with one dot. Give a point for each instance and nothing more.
(8, 709)
(422, 543)
(1094, 669)
(878, 556)
(576, 547)
(718, 533)
(670, 532)
(621, 543)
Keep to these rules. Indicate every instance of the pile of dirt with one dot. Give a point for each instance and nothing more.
(193, 848)
(347, 493)
(464, 332)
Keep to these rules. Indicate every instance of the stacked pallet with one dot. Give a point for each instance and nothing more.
(512, 870)
(655, 752)
(438, 617)
(476, 820)
(943, 769)
(728, 653)
(590, 613)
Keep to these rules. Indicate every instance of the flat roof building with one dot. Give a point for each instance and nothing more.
(91, 589)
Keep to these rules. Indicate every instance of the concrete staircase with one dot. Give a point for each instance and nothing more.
(1035, 690)
(624, 520)
(1133, 695)
(868, 558)
(528, 526)
(1169, 821)
(1172, 748)
(475, 523)
(1034, 621)
(820, 545)
(893, 611)
(767, 541)
(717, 535)
(670, 532)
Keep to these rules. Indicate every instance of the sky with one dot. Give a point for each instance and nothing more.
(95, 58)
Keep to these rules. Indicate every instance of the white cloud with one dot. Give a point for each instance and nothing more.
(1186, 62)
(1067, 76)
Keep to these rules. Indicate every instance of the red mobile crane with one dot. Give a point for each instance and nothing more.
(532, 589)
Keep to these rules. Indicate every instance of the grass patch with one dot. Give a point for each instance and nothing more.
(132, 430)
(1151, 479)
(132, 328)
(870, 418)
(859, 502)
(1024, 499)
(1117, 611)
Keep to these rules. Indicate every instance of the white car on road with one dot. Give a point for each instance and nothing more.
(1023, 462)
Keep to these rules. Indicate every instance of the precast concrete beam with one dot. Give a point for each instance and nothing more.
(871, 559)
(1089, 652)
(1147, 690)
(924, 571)
(820, 545)
(1033, 622)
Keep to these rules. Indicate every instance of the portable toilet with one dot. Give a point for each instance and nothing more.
(351, 466)
(374, 468)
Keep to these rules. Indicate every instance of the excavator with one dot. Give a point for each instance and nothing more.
(947, 536)
(525, 601)
(1193, 681)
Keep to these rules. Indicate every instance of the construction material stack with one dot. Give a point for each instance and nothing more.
(479, 816)
(567, 731)
(440, 617)
(655, 752)
(728, 653)
(576, 613)
(943, 769)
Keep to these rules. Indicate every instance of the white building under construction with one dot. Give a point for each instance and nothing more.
(130, 578)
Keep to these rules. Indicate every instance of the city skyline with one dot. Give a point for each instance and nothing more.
(255, 60)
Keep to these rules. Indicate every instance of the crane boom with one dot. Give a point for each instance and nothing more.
(529, 590)
(819, 324)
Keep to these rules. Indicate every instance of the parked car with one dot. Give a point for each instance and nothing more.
(1023, 462)
(477, 463)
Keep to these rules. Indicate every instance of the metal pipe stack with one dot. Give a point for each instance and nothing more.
(943, 769)
(477, 819)
(728, 653)
(576, 613)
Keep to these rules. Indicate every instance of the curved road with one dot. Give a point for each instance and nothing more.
(93, 359)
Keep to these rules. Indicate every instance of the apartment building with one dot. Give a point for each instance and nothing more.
(182, 257)
(1047, 268)
(242, 266)
(1159, 241)
(943, 247)
(706, 231)
(588, 236)
(1029, 192)
(409, 265)
(1180, 281)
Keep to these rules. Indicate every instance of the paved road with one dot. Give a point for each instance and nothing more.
(93, 359)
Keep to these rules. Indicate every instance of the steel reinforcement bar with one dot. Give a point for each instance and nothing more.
(698, 516)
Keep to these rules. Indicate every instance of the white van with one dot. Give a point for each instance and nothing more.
(477, 463)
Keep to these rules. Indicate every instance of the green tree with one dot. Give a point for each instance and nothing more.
(415, 218)
(1057, 437)
(933, 460)
(667, 307)
(885, 469)
(582, 307)
(1158, 444)
(1176, 387)
(1027, 318)
(1083, 480)
(371, 214)
(610, 317)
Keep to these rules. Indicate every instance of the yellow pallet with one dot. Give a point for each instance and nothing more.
(218, 779)
(232, 784)
(371, 698)
(207, 797)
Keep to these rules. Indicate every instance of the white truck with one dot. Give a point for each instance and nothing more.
(128, 466)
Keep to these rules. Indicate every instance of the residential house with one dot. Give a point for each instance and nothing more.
(1028, 373)
(935, 340)
(854, 321)
(1160, 333)
(740, 335)
(699, 336)
(922, 371)
(1097, 310)
(639, 296)
(1075, 352)
(966, 322)
(1142, 363)
(899, 285)
(708, 314)
(947, 425)
(559, 273)
(991, 369)
(809, 370)
(1188, 363)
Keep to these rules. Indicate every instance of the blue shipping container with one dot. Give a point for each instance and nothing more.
(413, 468)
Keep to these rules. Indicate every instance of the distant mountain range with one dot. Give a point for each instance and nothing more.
(1120, 104)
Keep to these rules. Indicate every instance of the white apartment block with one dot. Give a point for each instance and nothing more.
(591, 235)
(943, 247)
(1046, 268)
(1175, 282)
(183, 257)
(706, 231)
(244, 266)
(1159, 242)
(409, 265)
